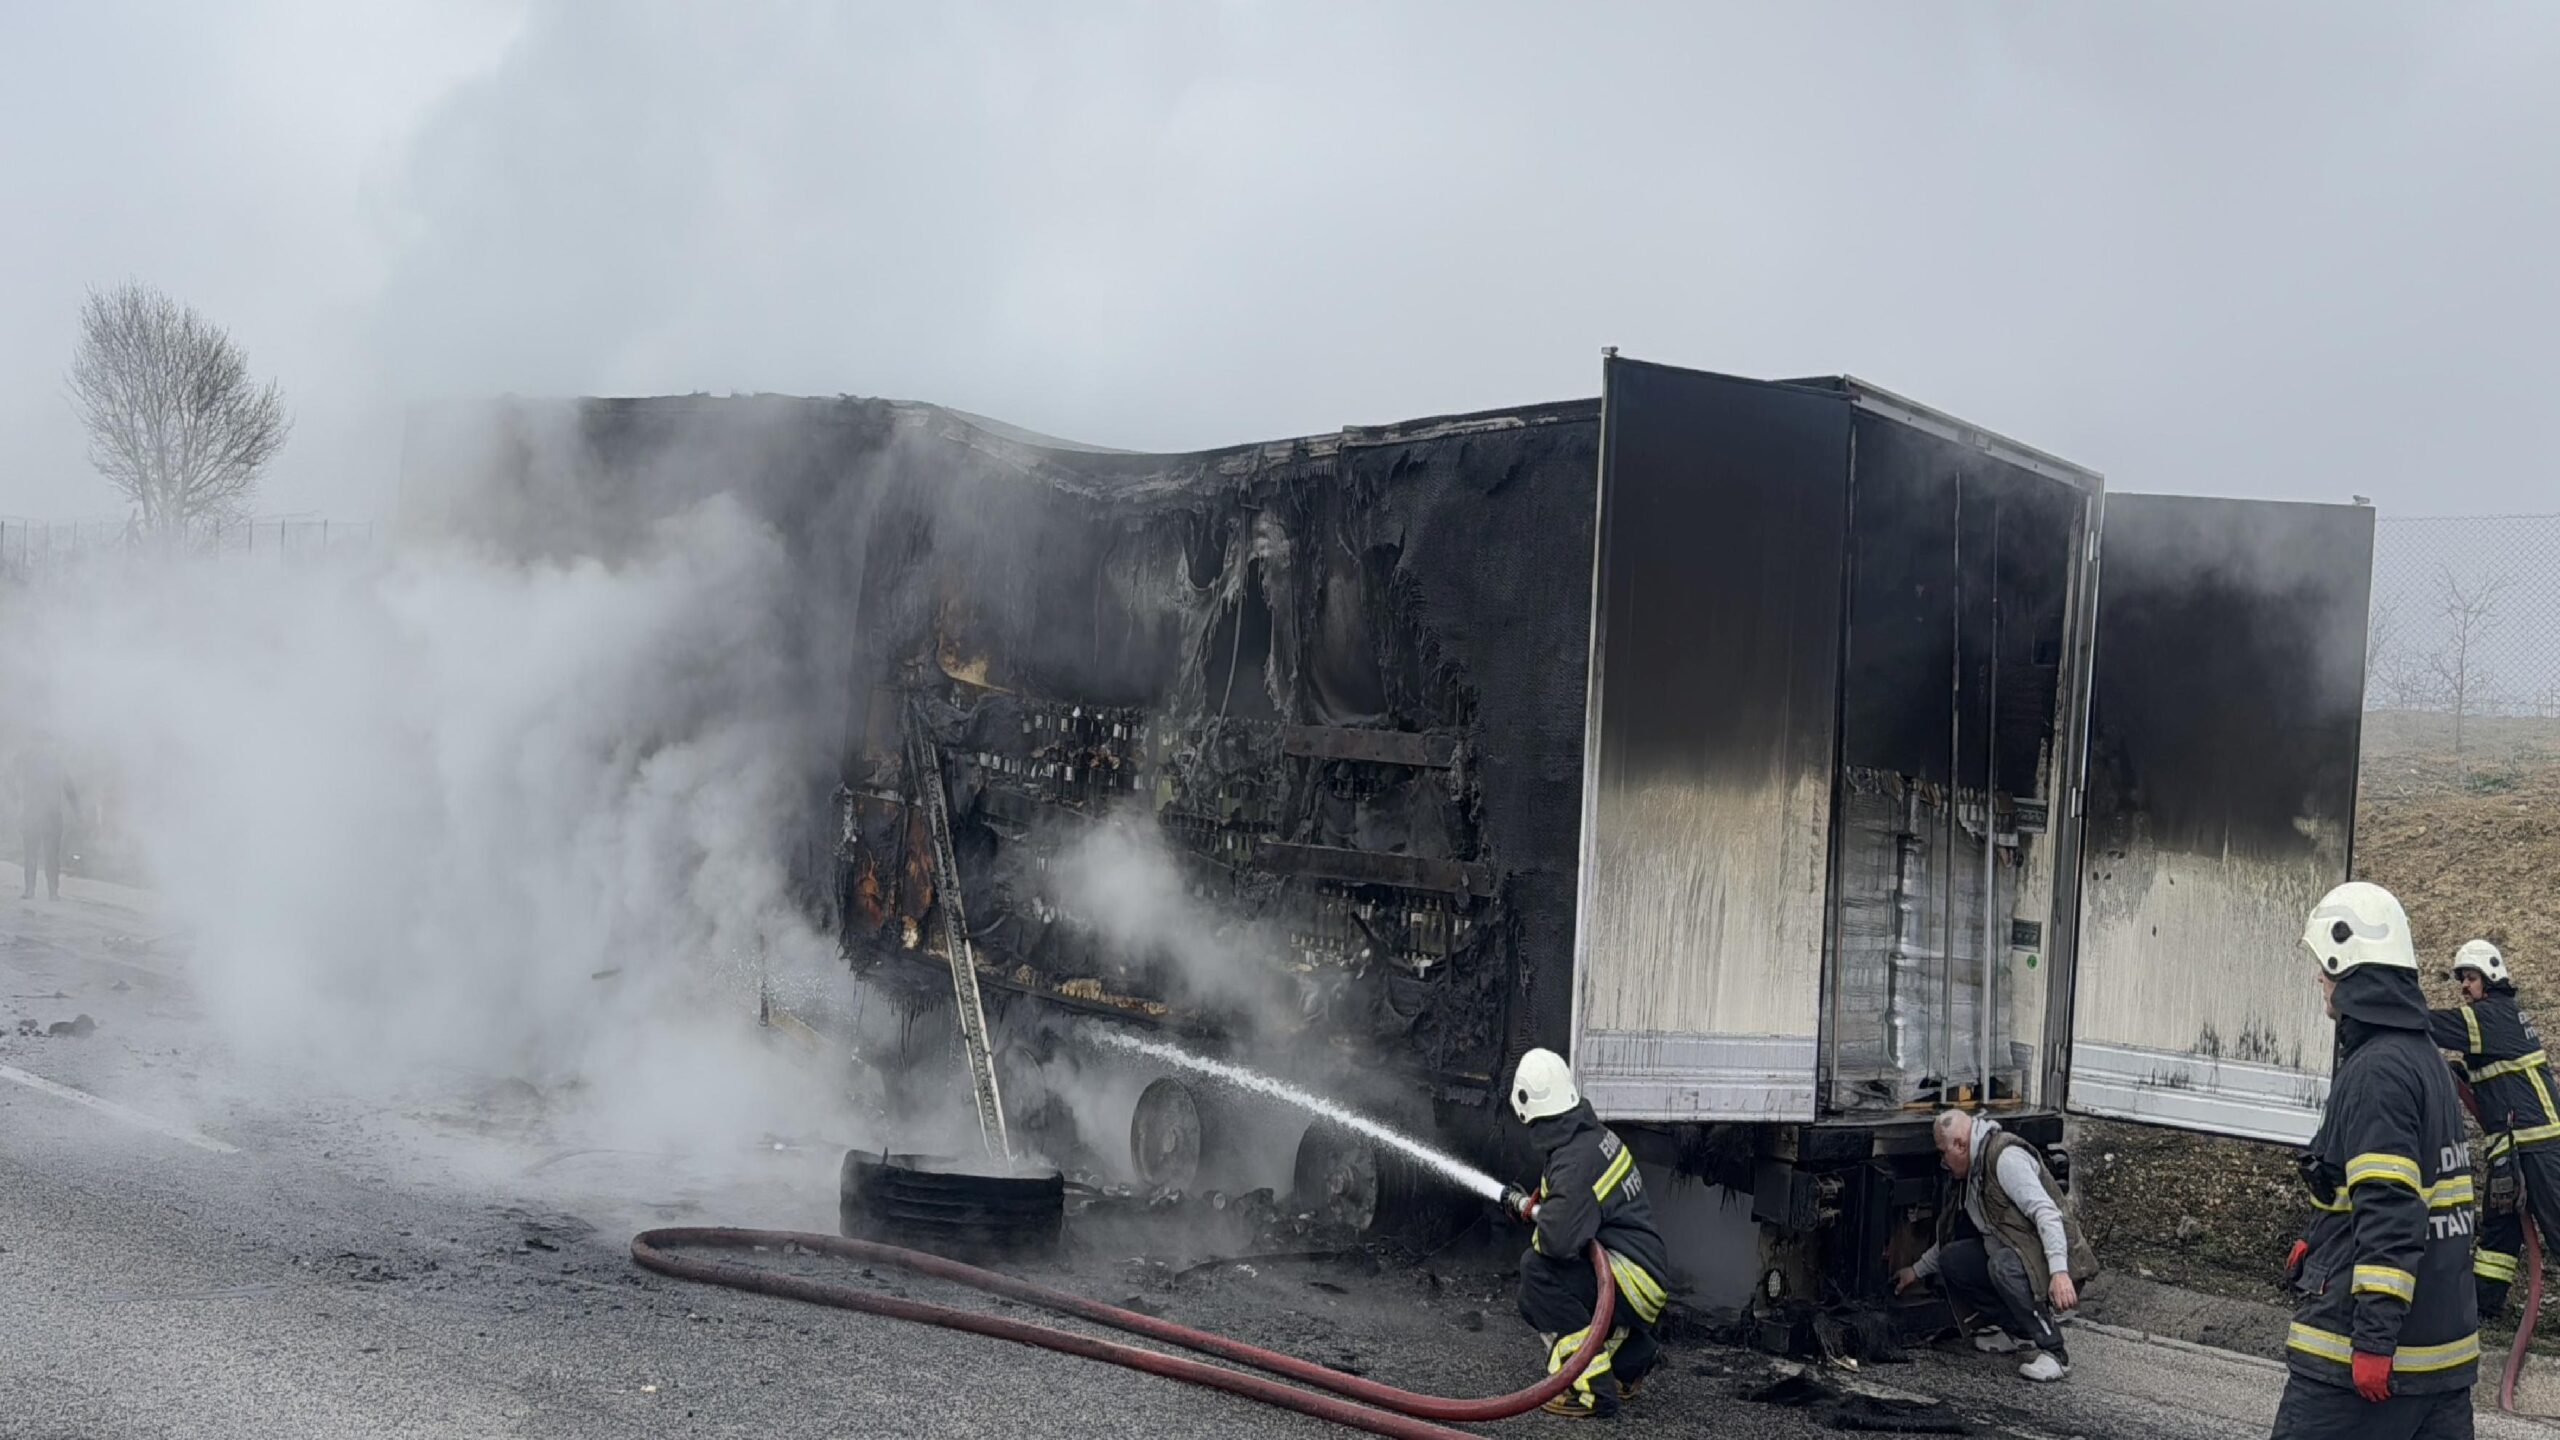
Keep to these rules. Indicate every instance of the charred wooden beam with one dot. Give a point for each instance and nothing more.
(1425, 749)
(1371, 867)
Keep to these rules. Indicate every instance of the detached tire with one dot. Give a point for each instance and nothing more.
(1377, 1193)
(938, 1205)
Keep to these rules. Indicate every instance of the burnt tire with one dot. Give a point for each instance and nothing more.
(940, 1206)
(1373, 1191)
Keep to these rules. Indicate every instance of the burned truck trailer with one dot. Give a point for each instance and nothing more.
(1798, 759)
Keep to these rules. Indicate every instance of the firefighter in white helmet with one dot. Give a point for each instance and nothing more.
(2385, 1340)
(1591, 1190)
(2512, 1088)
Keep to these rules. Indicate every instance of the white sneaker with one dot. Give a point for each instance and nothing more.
(2045, 1368)
(1996, 1342)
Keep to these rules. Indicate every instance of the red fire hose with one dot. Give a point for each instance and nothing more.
(2532, 1308)
(1365, 1404)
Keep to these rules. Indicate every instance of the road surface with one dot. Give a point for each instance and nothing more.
(188, 1248)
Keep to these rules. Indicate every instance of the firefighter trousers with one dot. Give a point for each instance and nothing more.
(1556, 1298)
(2517, 1179)
(2313, 1411)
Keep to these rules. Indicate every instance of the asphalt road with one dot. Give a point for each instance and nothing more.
(184, 1254)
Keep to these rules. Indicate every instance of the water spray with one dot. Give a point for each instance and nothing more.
(1448, 1167)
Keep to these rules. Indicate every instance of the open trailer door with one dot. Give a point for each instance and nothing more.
(1713, 704)
(2224, 721)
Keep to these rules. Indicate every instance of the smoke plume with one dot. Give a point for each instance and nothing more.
(443, 817)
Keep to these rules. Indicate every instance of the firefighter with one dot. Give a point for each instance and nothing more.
(2512, 1087)
(1590, 1190)
(2385, 1340)
(2007, 1251)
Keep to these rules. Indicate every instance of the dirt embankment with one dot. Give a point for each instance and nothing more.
(2471, 845)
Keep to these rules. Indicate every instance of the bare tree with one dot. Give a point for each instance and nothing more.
(2470, 613)
(175, 422)
(2381, 651)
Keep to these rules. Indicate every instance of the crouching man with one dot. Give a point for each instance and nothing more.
(1590, 1191)
(2007, 1251)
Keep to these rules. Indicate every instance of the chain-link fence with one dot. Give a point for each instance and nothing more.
(2466, 616)
(38, 550)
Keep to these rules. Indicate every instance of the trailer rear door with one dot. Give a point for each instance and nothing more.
(2225, 716)
(1713, 701)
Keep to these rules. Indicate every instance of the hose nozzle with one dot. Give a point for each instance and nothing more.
(1520, 1205)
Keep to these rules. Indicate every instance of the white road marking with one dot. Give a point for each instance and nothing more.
(110, 1108)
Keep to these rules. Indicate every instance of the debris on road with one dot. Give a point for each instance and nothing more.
(1844, 1409)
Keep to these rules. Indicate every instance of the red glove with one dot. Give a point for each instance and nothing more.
(2373, 1376)
(2293, 1258)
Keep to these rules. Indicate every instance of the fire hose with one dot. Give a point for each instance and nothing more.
(2532, 1309)
(1354, 1401)
(2532, 1284)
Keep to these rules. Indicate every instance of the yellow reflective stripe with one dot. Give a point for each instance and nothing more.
(1642, 1294)
(2517, 1066)
(2385, 1280)
(2535, 1135)
(2418, 1359)
(2375, 1166)
(2443, 1195)
(1616, 1172)
(1563, 1351)
(2490, 1265)
(2542, 1092)
(2500, 1144)
(2471, 1023)
(1633, 1281)
(2425, 1358)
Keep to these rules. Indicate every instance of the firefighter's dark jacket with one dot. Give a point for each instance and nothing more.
(1592, 1190)
(2388, 1271)
(2510, 1075)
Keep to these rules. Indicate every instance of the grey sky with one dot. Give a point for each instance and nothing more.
(2296, 250)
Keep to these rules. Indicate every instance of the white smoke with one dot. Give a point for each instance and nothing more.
(1122, 879)
(442, 817)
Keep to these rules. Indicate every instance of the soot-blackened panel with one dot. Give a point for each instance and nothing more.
(2224, 722)
(1707, 835)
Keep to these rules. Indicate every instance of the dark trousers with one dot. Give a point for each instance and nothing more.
(2517, 1180)
(2313, 1411)
(1556, 1298)
(1989, 1279)
(40, 848)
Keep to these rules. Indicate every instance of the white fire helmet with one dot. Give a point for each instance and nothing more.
(2359, 924)
(2482, 958)
(1542, 1086)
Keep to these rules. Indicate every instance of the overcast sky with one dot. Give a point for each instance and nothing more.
(2289, 250)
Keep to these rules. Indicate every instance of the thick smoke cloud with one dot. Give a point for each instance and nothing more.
(452, 820)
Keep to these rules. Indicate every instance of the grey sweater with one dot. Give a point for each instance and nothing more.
(2025, 1189)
